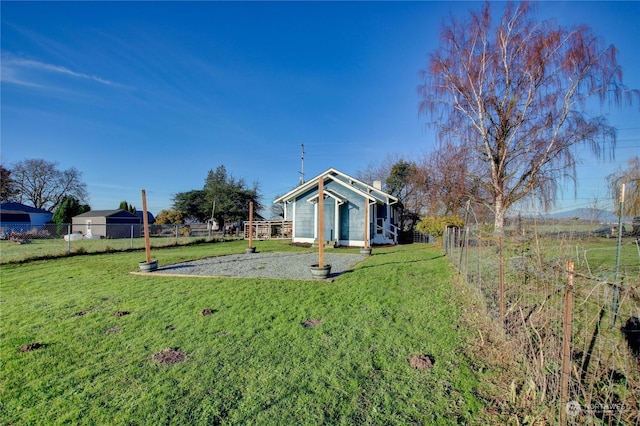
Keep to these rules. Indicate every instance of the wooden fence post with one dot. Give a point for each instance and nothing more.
(250, 224)
(145, 221)
(566, 344)
(321, 222)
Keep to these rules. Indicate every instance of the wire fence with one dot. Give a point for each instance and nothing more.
(20, 242)
(569, 303)
(567, 298)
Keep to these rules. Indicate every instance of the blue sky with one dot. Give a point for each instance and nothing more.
(154, 94)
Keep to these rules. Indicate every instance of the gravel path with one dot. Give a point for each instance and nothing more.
(295, 266)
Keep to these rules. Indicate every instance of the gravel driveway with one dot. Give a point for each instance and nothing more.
(295, 266)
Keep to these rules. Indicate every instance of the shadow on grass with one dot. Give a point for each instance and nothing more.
(403, 262)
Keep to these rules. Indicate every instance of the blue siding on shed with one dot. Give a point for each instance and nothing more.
(304, 215)
(350, 219)
(351, 213)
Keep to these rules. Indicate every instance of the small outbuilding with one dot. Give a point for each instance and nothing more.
(353, 210)
(108, 224)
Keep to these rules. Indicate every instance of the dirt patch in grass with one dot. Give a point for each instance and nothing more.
(303, 245)
(80, 314)
(113, 330)
(32, 347)
(121, 313)
(170, 327)
(312, 322)
(169, 356)
(207, 311)
(422, 362)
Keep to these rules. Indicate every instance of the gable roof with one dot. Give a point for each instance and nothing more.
(365, 190)
(22, 208)
(108, 213)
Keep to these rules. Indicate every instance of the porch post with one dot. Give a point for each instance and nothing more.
(293, 221)
(250, 223)
(389, 218)
(336, 207)
(367, 226)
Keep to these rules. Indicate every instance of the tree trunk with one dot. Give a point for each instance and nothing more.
(499, 211)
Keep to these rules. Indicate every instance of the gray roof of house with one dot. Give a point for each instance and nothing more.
(107, 213)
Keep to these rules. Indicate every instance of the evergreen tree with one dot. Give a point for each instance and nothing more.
(69, 207)
(231, 197)
(126, 206)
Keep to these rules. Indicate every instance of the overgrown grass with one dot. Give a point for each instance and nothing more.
(604, 369)
(251, 361)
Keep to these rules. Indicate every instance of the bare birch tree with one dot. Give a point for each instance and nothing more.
(514, 92)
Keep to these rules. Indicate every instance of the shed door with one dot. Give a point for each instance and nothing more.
(329, 219)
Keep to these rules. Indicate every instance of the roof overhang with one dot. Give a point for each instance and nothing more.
(341, 199)
(367, 191)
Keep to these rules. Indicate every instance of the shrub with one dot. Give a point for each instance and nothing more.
(436, 225)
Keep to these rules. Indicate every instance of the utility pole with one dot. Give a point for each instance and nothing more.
(302, 169)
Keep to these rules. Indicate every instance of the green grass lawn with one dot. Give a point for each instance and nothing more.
(251, 361)
(34, 249)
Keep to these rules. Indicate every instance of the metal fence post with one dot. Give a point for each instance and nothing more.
(447, 241)
(131, 236)
(501, 279)
(68, 238)
(566, 345)
(616, 286)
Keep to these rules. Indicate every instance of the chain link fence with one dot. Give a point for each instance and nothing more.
(19, 242)
(549, 285)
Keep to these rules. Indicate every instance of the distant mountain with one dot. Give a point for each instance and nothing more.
(596, 215)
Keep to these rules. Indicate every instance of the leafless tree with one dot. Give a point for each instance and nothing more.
(378, 170)
(402, 179)
(446, 180)
(40, 183)
(630, 177)
(277, 209)
(514, 93)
